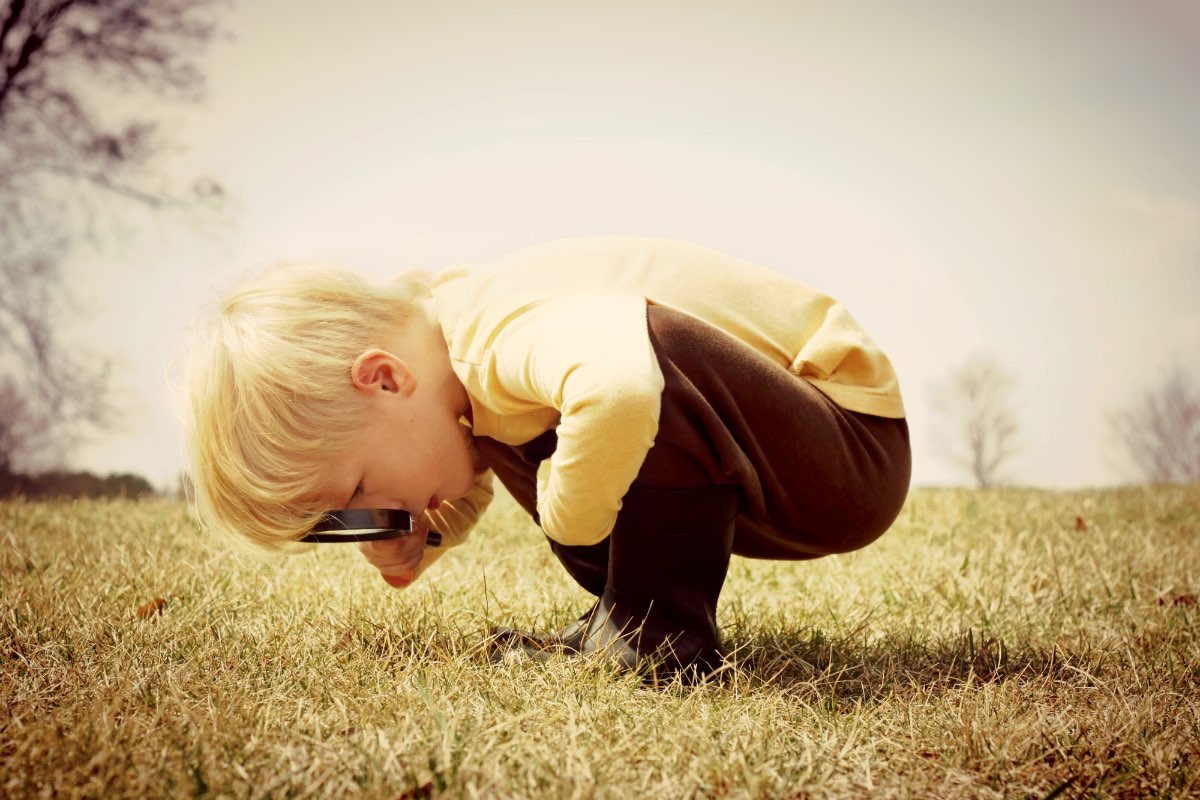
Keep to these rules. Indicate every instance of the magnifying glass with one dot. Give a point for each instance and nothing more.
(365, 525)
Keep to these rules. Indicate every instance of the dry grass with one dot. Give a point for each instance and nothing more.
(991, 645)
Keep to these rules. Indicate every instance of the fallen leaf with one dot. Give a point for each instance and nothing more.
(420, 793)
(1184, 600)
(1080, 524)
(155, 606)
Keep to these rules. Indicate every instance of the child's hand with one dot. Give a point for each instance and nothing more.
(397, 559)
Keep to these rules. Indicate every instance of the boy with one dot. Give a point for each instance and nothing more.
(654, 405)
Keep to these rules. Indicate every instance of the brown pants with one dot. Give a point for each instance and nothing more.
(814, 478)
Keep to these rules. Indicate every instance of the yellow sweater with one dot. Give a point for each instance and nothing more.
(554, 336)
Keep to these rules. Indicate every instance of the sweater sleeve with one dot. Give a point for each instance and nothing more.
(589, 357)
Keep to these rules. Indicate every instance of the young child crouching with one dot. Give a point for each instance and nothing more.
(655, 406)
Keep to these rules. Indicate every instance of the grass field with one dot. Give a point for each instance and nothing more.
(993, 644)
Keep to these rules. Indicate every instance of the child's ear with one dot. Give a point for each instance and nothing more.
(380, 371)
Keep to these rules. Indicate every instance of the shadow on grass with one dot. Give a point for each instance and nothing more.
(858, 668)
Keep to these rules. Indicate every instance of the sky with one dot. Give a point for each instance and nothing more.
(1015, 180)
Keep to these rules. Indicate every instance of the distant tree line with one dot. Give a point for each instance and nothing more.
(55, 485)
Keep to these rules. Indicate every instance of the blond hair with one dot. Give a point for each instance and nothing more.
(269, 396)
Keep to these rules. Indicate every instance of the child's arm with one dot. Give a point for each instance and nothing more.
(588, 356)
(401, 561)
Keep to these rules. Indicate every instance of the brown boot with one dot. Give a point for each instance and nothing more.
(667, 560)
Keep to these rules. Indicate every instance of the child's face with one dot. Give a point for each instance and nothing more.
(411, 454)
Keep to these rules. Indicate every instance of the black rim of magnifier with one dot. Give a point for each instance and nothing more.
(365, 525)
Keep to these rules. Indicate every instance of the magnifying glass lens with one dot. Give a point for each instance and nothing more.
(365, 525)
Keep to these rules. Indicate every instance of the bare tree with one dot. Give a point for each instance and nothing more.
(978, 433)
(22, 429)
(65, 162)
(1160, 432)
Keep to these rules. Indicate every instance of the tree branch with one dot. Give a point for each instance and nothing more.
(39, 31)
(14, 15)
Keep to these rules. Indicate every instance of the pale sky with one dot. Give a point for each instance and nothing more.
(1019, 179)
